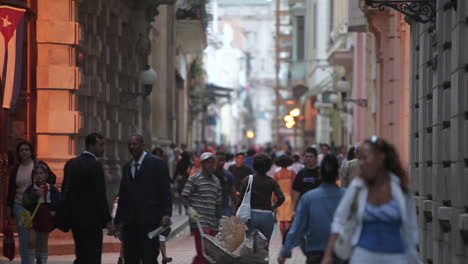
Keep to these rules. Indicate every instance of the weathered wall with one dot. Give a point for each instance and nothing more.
(439, 129)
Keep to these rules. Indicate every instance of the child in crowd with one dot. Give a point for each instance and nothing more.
(41, 200)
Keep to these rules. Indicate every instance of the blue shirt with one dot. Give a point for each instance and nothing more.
(381, 228)
(313, 218)
(248, 161)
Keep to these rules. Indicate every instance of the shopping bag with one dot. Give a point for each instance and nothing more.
(243, 213)
(8, 242)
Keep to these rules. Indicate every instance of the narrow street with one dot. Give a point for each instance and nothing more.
(182, 250)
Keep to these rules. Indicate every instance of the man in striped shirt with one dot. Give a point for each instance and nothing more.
(203, 196)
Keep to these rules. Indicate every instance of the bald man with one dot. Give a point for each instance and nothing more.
(144, 203)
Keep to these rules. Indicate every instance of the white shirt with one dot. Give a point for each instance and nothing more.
(140, 161)
(87, 152)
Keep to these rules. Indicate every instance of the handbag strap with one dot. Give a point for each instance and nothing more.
(41, 201)
(249, 187)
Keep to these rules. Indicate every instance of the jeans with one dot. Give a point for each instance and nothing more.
(23, 236)
(227, 211)
(263, 222)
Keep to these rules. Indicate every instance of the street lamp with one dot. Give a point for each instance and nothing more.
(290, 124)
(250, 134)
(295, 112)
(288, 118)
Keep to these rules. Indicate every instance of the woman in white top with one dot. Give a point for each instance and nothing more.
(386, 228)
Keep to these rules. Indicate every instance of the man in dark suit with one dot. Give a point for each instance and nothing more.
(84, 206)
(144, 203)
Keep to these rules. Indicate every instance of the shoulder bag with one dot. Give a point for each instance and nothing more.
(243, 213)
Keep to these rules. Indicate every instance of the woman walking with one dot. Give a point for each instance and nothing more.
(19, 180)
(385, 230)
(263, 187)
(285, 178)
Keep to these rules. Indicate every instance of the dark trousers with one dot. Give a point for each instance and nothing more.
(88, 245)
(315, 257)
(137, 247)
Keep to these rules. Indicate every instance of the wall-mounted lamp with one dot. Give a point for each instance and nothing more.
(335, 99)
(148, 78)
(343, 85)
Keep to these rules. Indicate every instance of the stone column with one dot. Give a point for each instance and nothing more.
(57, 80)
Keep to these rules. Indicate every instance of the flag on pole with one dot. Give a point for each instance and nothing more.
(11, 53)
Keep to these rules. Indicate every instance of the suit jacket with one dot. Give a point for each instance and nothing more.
(145, 199)
(84, 200)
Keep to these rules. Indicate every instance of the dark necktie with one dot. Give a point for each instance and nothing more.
(136, 164)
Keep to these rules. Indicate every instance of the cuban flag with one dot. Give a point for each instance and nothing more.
(11, 53)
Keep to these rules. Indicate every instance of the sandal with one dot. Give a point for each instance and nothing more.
(166, 260)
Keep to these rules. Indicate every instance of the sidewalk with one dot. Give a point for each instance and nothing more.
(63, 243)
(182, 250)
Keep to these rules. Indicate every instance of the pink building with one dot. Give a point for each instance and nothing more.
(388, 78)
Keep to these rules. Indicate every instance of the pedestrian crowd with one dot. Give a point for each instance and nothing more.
(352, 207)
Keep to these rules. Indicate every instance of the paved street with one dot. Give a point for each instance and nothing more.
(181, 249)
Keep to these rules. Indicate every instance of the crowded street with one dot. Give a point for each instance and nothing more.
(233, 131)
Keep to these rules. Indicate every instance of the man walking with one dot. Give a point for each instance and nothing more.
(144, 203)
(314, 215)
(239, 171)
(202, 196)
(308, 177)
(84, 206)
(226, 180)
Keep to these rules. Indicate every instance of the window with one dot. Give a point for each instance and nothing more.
(300, 38)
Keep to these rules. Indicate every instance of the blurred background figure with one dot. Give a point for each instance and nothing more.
(296, 165)
(227, 183)
(248, 161)
(180, 177)
(307, 178)
(314, 214)
(324, 149)
(195, 167)
(285, 178)
(239, 170)
(350, 167)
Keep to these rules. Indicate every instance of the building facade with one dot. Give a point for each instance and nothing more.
(438, 129)
(82, 73)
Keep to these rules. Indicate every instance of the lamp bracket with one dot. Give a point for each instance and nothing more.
(421, 11)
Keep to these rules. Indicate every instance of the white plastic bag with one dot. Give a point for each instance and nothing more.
(243, 213)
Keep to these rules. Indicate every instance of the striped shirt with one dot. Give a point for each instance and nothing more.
(205, 195)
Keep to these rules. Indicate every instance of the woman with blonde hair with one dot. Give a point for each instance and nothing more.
(381, 208)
